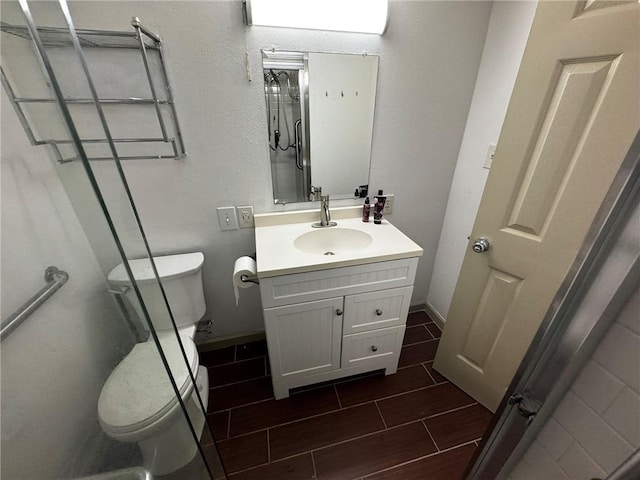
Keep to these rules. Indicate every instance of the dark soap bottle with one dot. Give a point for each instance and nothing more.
(366, 210)
(379, 207)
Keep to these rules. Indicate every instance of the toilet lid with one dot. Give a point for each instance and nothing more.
(168, 266)
(138, 391)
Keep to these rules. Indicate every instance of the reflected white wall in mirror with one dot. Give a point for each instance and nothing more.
(341, 105)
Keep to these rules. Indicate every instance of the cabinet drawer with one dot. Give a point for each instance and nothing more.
(307, 287)
(370, 311)
(362, 347)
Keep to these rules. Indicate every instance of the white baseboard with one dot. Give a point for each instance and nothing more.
(435, 315)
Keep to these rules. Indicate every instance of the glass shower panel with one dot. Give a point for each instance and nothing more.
(111, 383)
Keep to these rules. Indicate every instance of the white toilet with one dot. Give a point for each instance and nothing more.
(137, 402)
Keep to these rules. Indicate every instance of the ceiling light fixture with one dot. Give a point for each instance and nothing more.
(360, 16)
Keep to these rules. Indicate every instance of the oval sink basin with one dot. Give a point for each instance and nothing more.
(332, 241)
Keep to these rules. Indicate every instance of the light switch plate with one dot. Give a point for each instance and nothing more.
(227, 218)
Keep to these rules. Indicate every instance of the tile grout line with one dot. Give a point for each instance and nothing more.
(217, 364)
(365, 435)
(268, 448)
(339, 442)
(346, 440)
(381, 416)
(424, 341)
(243, 405)
(240, 381)
(343, 408)
(350, 406)
(424, 325)
(424, 365)
(404, 367)
(296, 420)
(393, 395)
(430, 436)
(337, 396)
(420, 419)
(228, 425)
(451, 411)
(417, 343)
(416, 459)
(237, 361)
(432, 377)
(266, 464)
(359, 405)
(313, 463)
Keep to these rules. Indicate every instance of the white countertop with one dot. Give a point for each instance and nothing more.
(277, 255)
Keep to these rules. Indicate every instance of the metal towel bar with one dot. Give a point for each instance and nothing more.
(55, 279)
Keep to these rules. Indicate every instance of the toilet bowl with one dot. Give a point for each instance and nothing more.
(138, 402)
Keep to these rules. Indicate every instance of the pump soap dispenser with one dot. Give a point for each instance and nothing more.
(378, 208)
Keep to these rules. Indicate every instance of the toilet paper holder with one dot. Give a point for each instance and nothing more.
(249, 279)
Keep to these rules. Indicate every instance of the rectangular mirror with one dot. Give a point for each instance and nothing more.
(320, 109)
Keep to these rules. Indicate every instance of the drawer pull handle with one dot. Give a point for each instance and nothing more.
(374, 348)
(339, 311)
(378, 312)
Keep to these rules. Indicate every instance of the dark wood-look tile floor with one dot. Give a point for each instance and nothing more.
(411, 425)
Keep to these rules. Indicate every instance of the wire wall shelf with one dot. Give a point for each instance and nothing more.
(129, 71)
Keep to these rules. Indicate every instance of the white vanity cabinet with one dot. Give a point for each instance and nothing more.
(326, 324)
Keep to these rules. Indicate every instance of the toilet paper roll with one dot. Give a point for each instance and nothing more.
(243, 266)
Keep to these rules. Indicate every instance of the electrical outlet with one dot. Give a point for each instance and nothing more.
(489, 158)
(245, 216)
(388, 205)
(227, 218)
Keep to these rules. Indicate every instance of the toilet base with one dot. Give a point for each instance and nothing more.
(174, 448)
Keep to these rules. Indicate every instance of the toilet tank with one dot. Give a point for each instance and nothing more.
(181, 277)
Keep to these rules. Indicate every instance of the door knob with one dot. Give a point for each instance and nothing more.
(339, 311)
(378, 312)
(481, 245)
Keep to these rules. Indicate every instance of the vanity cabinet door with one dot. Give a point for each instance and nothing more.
(381, 309)
(305, 338)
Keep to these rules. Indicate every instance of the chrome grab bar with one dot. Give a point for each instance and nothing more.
(298, 147)
(55, 279)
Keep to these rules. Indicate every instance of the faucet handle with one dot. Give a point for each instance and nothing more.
(315, 194)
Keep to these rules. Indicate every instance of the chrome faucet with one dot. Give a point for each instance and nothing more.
(325, 215)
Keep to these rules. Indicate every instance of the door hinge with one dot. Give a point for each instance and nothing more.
(528, 406)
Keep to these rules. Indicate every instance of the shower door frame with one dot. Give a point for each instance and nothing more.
(49, 74)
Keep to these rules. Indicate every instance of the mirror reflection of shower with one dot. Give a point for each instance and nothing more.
(281, 109)
(284, 90)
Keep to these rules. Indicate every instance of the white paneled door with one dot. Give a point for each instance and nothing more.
(572, 117)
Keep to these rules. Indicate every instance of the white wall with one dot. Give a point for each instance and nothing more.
(597, 424)
(506, 38)
(428, 64)
(54, 364)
